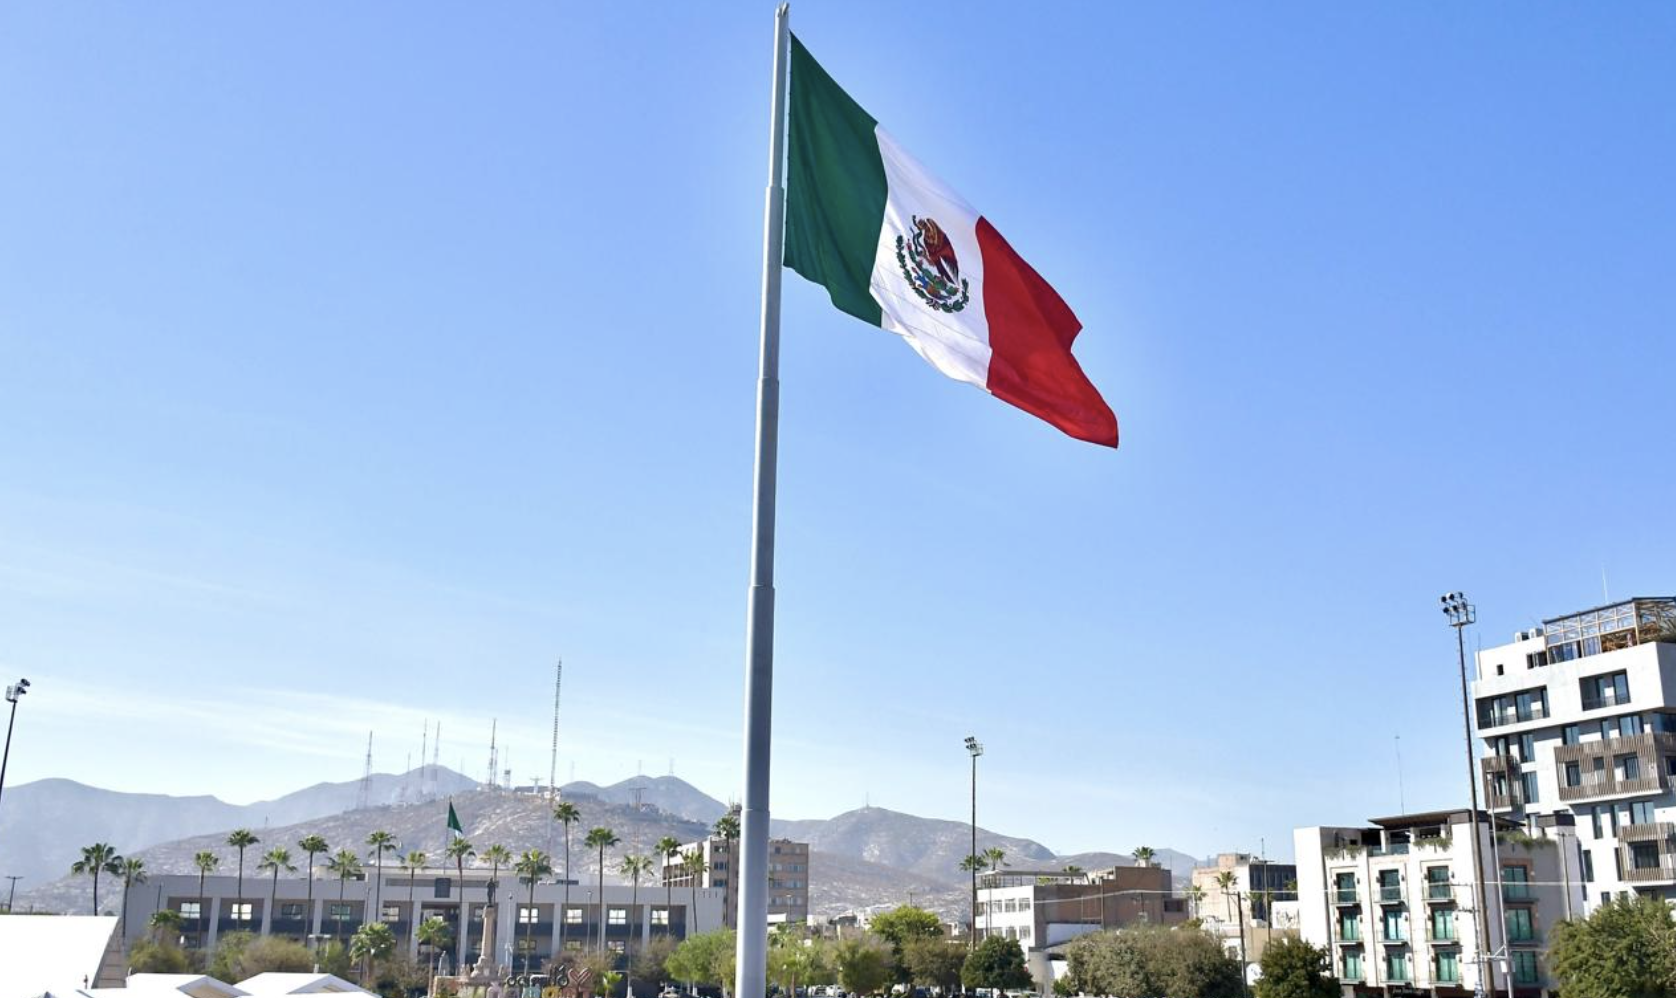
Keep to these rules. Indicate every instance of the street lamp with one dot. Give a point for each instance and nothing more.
(11, 892)
(975, 749)
(13, 694)
(1460, 614)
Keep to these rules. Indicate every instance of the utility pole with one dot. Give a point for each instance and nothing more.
(13, 694)
(975, 748)
(11, 892)
(1460, 614)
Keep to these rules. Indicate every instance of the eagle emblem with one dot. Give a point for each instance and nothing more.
(930, 267)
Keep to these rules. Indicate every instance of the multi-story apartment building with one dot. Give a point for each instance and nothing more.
(1397, 904)
(788, 876)
(526, 935)
(1044, 909)
(1578, 717)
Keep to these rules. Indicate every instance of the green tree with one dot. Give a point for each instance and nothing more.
(274, 861)
(996, 962)
(1625, 949)
(370, 944)
(1148, 961)
(343, 864)
(973, 864)
(152, 956)
(707, 958)
(132, 871)
(1195, 897)
(380, 842)
(934, 962)
(649, 967)
(728, 830)
(434, 936)
(692, 864)
(601, 839)
(165, 925)
(1143, 855)
(864, 963)
(531, 867)
(459, 850)
(96, 859)
(313, 845)
(566, 814)
(900, 925)
(1292, 968)
(793, 960)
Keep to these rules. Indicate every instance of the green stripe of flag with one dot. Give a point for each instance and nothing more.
(835, 188)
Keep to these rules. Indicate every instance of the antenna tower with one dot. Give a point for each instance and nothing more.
(365, 796)
(424, 743)
(553, 762)
(407, 778)
(436, 753)
(493, 755)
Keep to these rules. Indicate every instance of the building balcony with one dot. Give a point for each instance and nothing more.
(1607, 699)
(1652, 831)
(1440, 893)
(1345, 898)
(1350, 938)
(1649, 748)
(1444, 936)
(1390, 895)
(1663, 873)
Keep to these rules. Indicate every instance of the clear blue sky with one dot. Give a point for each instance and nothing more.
(356, 361)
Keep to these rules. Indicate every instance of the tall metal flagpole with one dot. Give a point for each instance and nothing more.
(752, 925)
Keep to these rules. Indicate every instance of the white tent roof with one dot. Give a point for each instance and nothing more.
(167, 986)
(274, 985)
(53, 954)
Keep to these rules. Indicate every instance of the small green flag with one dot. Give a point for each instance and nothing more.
(454, 821)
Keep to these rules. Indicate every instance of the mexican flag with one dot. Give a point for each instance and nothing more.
(896, 248)
(454, 821)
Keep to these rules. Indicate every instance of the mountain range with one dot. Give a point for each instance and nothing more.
(862, 858)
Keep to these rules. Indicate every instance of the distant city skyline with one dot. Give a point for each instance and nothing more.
(357, 363)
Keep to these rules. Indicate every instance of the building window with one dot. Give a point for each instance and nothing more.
(573, 945)
(615, 945)
(239, 911)
(1512, 708)
(1588, 867)
(528, 915)
(1437, 883)
(191, 911)
(1630, 724)
(660, 916)
(1628, 767)
(1573, 774)
(1571, 734)
(1352, 964)
(1344, 888)
(1390, 885)
(1023, 904)
(1641, 812)
(340, 912)
(573, 916)
(1024, 933)
(392, 913)
(617, 916)
(1608, 690)
(526, 944)
(1441, 928)
(1447, 967)
(442, 887)
(1391, 923)
(1519, 928)
(1350, 926)
(1515, 883)
(1396, 966)
(1527, 748)
(292, 910)
(1524, 968)
(1529, 780)
(1643, 856)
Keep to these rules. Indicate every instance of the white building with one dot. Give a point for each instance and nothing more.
(1044, 909)
(1396, 903)
(1578, 717)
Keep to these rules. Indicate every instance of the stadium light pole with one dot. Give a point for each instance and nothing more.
(975, 749)
(1460, 614)
(13, 695)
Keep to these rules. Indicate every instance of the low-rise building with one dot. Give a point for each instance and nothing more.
(1043, 909)
(526, 935)
(1240, 898)
(1396, 902)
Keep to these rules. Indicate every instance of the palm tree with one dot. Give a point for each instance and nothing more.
(498, 856)
(601, 839)
(96, 859)
(692, 864)
(381, 843)
(1195, 898)
(668, 848)
(531, 867)
(727, 829)
(312, 844)
(1226, 881)
(433, 935)
(459, 850)
(568, 814)
(634, 867)
(371, 943)
(132, 871)
(273, 861)
(241, 839)
(206, 862)
(345, 864)
(1143, 855)
(413, 862)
